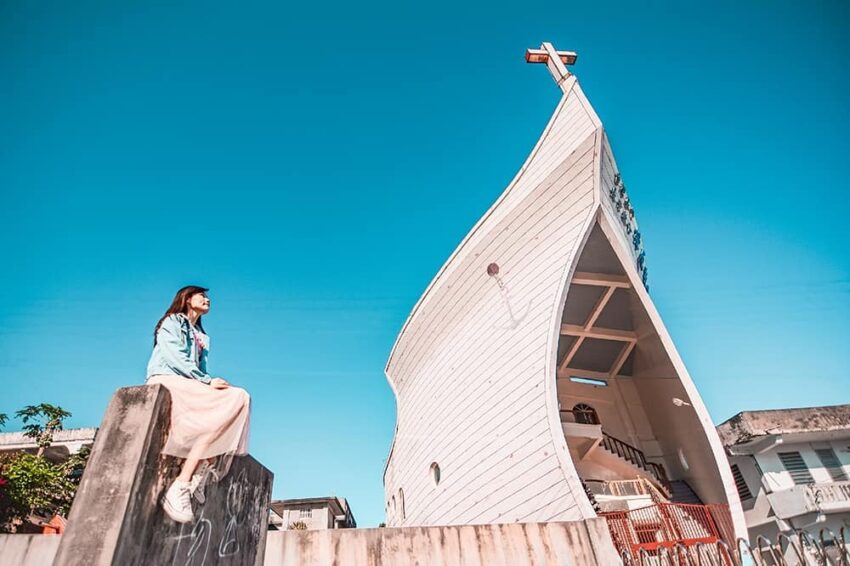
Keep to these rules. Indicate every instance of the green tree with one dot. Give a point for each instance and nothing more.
(47, 420)
(30, 484)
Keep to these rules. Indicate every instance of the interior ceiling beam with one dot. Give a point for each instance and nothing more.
(601, 280)
(599, 333)
(621, 359)
(570, 354)
(599, 307)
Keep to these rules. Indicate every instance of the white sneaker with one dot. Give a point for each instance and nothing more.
(199, 480)
(177, 502)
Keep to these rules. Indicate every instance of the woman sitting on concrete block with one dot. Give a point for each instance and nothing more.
(209, 417)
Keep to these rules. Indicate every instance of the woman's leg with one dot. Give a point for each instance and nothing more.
(193, 459)
(194, 456)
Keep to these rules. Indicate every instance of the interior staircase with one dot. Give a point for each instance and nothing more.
(636, 458)
(681, 492)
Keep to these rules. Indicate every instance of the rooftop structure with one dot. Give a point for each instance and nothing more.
(535, 373)
(316, 513)
(748, 427)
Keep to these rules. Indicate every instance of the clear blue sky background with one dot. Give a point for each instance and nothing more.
(315, 165)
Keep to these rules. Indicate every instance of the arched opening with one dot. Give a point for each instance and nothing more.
(585, 414)
(629, 432)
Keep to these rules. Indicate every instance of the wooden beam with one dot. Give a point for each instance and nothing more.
(621, 359)
(599, 333)
(541, 56)
(600, 280)
(600, 305)
(571, 353)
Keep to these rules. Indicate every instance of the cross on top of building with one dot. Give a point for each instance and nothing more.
(556, 61)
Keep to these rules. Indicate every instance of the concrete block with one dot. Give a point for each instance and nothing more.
(28, 550)
(116, 518)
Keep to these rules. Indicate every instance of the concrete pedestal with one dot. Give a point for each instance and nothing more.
(116, 518)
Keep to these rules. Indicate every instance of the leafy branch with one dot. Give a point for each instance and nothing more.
(46, 420)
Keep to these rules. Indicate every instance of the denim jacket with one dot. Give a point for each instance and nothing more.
(180, 350)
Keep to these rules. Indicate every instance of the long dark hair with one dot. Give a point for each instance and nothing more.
(180, 305)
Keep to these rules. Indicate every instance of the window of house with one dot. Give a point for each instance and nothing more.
(832, 464)
(435, 473)
(795, 465)
(585, 414)
(305, 513)
(741, 483)
(401, 503)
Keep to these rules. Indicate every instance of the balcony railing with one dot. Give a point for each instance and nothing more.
(625, 488)
(811, 498)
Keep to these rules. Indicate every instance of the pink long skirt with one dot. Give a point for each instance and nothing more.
(213, 421)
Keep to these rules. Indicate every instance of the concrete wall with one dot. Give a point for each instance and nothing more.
(530, 544)
(580, 543)
(28, 550)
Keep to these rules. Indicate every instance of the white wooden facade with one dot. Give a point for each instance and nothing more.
(479, 368)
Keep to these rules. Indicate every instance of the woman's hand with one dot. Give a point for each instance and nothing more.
(219, 383)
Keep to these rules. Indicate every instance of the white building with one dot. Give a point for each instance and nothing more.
(64, 443)
(311, 513)
(535, 360)
(791, 467)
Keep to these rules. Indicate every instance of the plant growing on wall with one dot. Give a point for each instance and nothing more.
(31, 486)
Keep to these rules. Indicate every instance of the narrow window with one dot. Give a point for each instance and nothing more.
(305, 512)
(741, 483)
(401, 503)
(832, 464)
(435, 473)
(589, 381)
(585, 414)
(795, 465)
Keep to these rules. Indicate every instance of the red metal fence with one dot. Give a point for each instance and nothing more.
(666, 524)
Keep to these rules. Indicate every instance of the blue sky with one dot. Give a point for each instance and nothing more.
(316, 165)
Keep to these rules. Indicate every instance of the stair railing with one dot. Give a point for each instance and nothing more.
(637, 458)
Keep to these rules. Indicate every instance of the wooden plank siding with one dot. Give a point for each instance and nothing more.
(470, 382)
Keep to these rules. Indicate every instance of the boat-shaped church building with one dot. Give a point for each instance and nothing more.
(535, 380)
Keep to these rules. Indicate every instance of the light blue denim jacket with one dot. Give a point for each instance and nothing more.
(177, 350)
